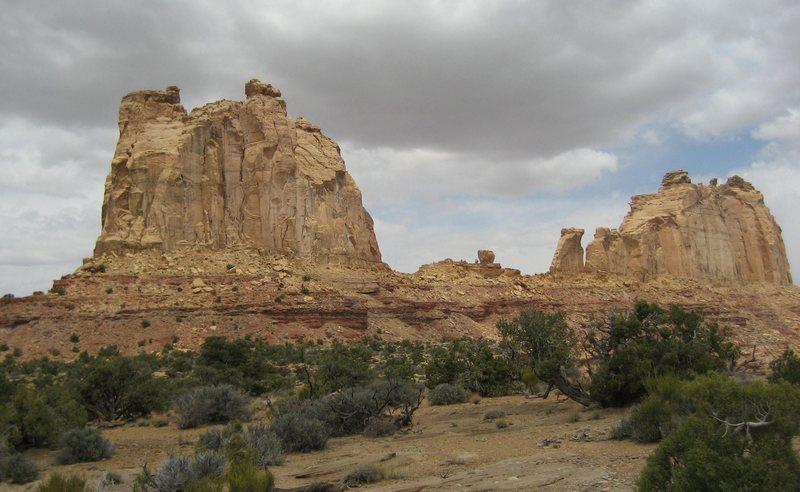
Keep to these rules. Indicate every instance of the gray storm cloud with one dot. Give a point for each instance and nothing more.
(431, 98)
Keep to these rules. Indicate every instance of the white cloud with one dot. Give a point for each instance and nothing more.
(394, 175)
(473, 109)
(52, 190)
(783, 128)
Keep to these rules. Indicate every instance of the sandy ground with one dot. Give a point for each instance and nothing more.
(547, 445)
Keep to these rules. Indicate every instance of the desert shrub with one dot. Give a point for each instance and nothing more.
(108, 479)
(37, 418)
(181, 474)
(204, 485)
(658, 414)
(501, 423)
(267, 446)
(472, 364)
(173, 474)
(244, 363)
(113, 387)
(211, 404)
(543, 343)
(494, 414)
(261, 443)
(786, 367)
(82, 445)
(447, 394)
(380, 427)
(59, 483)
(247, 477)
(625, 350)
(628, 348)
(344, 366)
(363, 475)
(207, 464)
(300, 432)
(18, 469)
(215, 439)
(737, 437)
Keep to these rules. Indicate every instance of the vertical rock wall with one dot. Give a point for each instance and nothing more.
(718, 233)
(231, 173)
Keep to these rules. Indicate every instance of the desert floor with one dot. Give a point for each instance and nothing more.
(547, 445)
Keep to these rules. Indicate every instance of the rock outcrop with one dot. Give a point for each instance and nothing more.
(713, 233)
(231, 173)
(569, 252)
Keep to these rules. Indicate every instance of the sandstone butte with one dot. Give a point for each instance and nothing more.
(235, 219)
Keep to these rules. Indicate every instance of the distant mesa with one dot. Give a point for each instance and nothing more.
(231, 173)
(686, 230)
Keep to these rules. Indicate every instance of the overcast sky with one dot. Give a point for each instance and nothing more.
(467, 125)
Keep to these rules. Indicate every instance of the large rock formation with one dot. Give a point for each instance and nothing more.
(569, 253)
(231, 173)
(716, 233)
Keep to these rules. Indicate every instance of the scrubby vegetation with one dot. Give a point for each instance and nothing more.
(724, 435)
(669, 364)
(211, 405)
(81, 445)
(447, 394)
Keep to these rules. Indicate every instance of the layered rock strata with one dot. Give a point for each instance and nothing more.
(712, 233)
(231, 173)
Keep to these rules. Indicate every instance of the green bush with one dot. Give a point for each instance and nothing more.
(631, 347)
(113, 387)
(300, 432)
(344, 366)
(37, 418)
(247, 477)
(786, 367)
(83, 445)
(210, 405)
(447, 394)
(18, 469)
(472, 364)
(737, 437)
(59, 483)
(658, 414)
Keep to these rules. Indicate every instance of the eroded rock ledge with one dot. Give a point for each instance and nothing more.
(231, 173)
(686, 230)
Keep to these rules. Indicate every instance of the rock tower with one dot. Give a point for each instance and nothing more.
(231, 173)
(705, 232)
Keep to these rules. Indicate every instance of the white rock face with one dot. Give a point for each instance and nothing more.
(231, 173)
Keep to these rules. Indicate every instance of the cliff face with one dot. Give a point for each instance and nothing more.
(717, 233)
(569, 253)
(231, 173)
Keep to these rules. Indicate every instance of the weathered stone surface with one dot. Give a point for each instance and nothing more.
(231, 173)
(569, 252)
(717, 233)
(485, 256)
